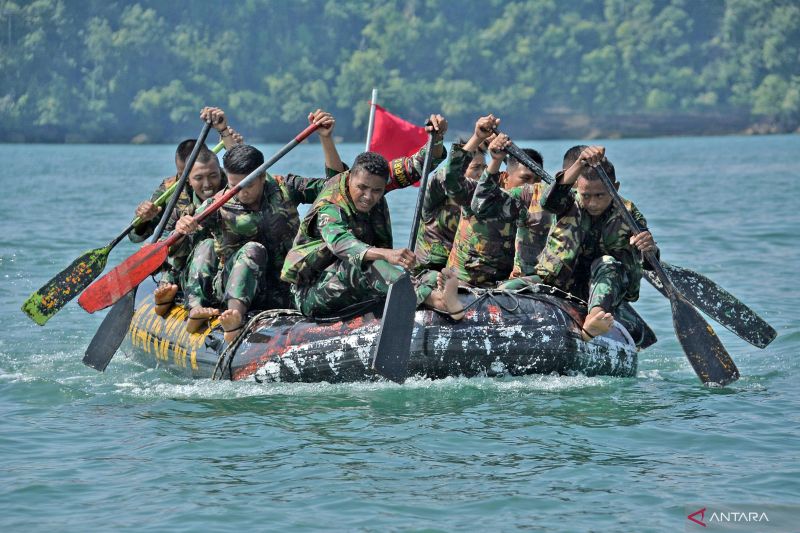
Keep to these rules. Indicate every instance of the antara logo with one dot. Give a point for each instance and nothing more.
(699, 516)
(702, 513)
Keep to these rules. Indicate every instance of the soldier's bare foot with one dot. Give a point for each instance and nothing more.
(441, 278)
(444, 299)
(164, 296)
(231, 321)
(198, 318)
(597, 323)
(451, 301)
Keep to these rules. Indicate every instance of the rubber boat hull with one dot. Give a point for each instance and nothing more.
(501, 334)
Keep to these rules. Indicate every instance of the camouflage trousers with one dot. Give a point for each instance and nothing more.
(176, 266)
(206, 284)
(172, 274)
(343, 284)
(605, 286)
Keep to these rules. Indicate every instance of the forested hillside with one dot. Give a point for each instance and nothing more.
(112, 71)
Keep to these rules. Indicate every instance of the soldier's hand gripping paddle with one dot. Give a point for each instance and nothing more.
(43, 304)
(111, 287)
(516, 152)
(109, 336)
(702, 347)
(393, 349)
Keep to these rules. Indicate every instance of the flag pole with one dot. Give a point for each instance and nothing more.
(371, 124)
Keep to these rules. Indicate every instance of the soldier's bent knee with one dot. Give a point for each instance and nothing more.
(607, 263)
(255, 251)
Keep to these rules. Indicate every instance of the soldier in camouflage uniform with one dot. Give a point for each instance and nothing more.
(343, 253)
(590, 251)
(483, 250)
(519, 206)
(449, 188)
(204, 181)
(147, 210)
(239, 252)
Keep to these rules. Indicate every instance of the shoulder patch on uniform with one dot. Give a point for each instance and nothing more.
(399, 172)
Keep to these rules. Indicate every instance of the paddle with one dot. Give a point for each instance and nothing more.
(717, 303)
(127, 275)
(114, 327)
(43, 304)
(393, 348)
(702, 347)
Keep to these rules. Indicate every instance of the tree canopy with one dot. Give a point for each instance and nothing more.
(108, 70)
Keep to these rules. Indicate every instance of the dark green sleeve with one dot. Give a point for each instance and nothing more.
(435, 196)
(329, 172)
(490, 202)
(456, 184)
(304, 190)
(558, 198)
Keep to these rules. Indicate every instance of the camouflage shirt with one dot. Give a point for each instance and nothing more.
(448, 190)
(144, 230)
(274, 224)
(521, 206)
(483, 249)
(578, 238)
(335, 230)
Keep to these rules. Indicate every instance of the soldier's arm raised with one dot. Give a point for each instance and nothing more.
(304, 190)
(326, 123)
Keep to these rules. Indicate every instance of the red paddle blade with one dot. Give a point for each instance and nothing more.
(110, 288)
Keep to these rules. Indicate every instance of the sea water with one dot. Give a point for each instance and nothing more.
(141, 449)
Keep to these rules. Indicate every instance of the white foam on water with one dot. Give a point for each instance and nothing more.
(14, 377)
(652, 374)
(207, 389)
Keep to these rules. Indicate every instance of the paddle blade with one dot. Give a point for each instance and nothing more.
(43, 304)
(112, 331)
(127, 275)
(702, 347)
(719, 304)
(393, 349)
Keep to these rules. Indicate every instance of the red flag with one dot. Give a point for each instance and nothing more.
(393, 137)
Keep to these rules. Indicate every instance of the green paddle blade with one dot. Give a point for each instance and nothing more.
(66, 285)
(716, 302)
(705, 351)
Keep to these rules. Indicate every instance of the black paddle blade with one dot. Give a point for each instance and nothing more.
(719, 304)
(702, 347)
(393, 349)
(111, 333)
